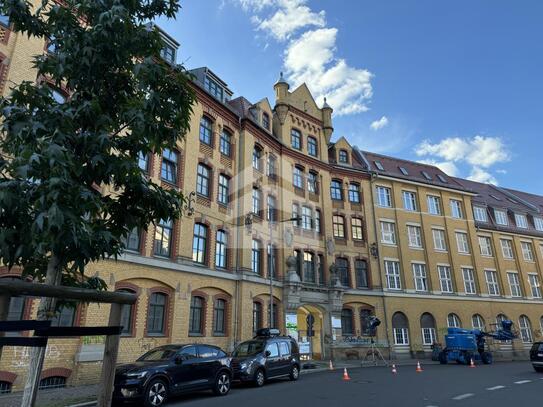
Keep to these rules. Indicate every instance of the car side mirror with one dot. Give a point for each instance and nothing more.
(267, 353)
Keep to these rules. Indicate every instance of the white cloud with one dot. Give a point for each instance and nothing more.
(310, 56)
(447, 167)
(379, 124)
(479, 175)
(479, 153)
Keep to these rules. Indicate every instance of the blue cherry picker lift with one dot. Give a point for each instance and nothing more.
(462, 345)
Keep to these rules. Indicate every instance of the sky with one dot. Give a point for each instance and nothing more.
(458, 84)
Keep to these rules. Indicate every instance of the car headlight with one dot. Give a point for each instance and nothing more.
(243, 366)
(136, 375)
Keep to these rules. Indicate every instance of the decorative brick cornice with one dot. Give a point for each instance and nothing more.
(56, 371)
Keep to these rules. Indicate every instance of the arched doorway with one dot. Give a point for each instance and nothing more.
(309, 340)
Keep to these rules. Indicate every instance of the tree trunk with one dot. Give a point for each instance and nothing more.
(37, 355)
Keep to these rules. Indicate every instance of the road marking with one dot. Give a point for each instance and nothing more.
(496, 388)
(523, 381)
(463, 396)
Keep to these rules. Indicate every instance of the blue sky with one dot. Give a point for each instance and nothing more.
(459, 84)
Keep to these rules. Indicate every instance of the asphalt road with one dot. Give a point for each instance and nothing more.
(502, 384)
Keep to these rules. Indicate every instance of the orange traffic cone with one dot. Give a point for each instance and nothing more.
(346, 375)
(419, 369)
(471, 364)
(331, 365)
(394, 371)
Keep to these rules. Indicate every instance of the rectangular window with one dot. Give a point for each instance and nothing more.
(535, 285)
(312, 182)
(492, 282)
(409, 201)
(501, 217)
(507, 248)
(309, 267)
(168, 170)
(168, 53)
(256, 257)
(428, 336)
(213, 88)
(521, 221)
(514, 284)
(202, 180)
(434, 205)
(456, 209)
(486, 245)
(343, 271)
(439, 239)
(414, 236)
(257, 202)
(338, 226)
(361, 271)
(469, 280)
(312, 146)
(401, 336)
(220, 249)
(392, 271)
(354, 193)
(419, 275)
(527, 252)
(479, 213)
(336, 192)
(538, 223)
(199, 243)
(272, 166)
(224, 189)
(133, 240)
(296, 215)
(156, 314)
(225, 143)
(205, 130)
(445, 279)
(163, 238)
(298, 178)
(318, 221)
(272, 209)
(272, 261)
(307, 218)
(388, 233)
(143, 161)
(462, 242)
(384, 197)
(296, 139)
(356, 229)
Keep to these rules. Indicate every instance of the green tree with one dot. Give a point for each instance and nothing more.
(70, 185)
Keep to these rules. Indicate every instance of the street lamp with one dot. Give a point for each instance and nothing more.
(272, 260)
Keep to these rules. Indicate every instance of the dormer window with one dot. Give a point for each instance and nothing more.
(426, 175)
(168, 53)
(403, 171)
(441, 178)
(266, 121)
(343, 157)
(213, 88)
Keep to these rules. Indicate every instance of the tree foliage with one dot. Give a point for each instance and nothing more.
(70, 184)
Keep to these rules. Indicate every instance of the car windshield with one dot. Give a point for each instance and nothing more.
(158, 354)
(249, 348)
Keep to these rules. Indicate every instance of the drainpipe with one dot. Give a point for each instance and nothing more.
(237, 288)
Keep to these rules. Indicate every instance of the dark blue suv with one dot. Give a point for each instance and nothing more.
(170, 370)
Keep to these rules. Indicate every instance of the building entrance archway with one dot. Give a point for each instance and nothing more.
(310, 340)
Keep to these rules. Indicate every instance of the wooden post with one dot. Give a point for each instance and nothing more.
(5, 299)
(110, 359)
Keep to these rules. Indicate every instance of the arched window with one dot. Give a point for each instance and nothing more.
(428, 326)
(221, 245)
(168, 167)
(336, 191)
(52, 382)
(400, 327)
(225, 144)
(256, 257)
(127, 315)
(478, 322)
(312, 146)
(219, 317)
(453, 321)
(196, 318)
(199, 243)
(203, 177)
(347, 321)
(500, 318)
(365, 318)
(156, 314)
(205, 130)
(525, 329)
(257, 316)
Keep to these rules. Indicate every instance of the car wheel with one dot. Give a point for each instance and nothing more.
(156, 393)
(486, 357)
(260, 378)
(443, 357)
(294, 373)
(222, 384)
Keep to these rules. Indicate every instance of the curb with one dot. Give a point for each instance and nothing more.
(85, 404)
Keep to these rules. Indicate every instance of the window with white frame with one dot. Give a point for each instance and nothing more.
(428, 336)
(525, 329)
(479, 213)
(501, 217)
(401, 336)
(507, 248)
(456, 209)
(514, 284)
(538, 223)
(445, 280)
(338, 226)
(462, 242)
(453, 321)
(307, 218)
(469, 280)
(388, 232)
(419, 275)
(486, 245)
(521, 221)
(414, 236)
(477, 322)
(400, 328)
(535, 285)
(384, 197)
(439, 239)
(409, 200)
(434, 205)
(356, 229)
(527, 252)
(392, 271)
(492, 282)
